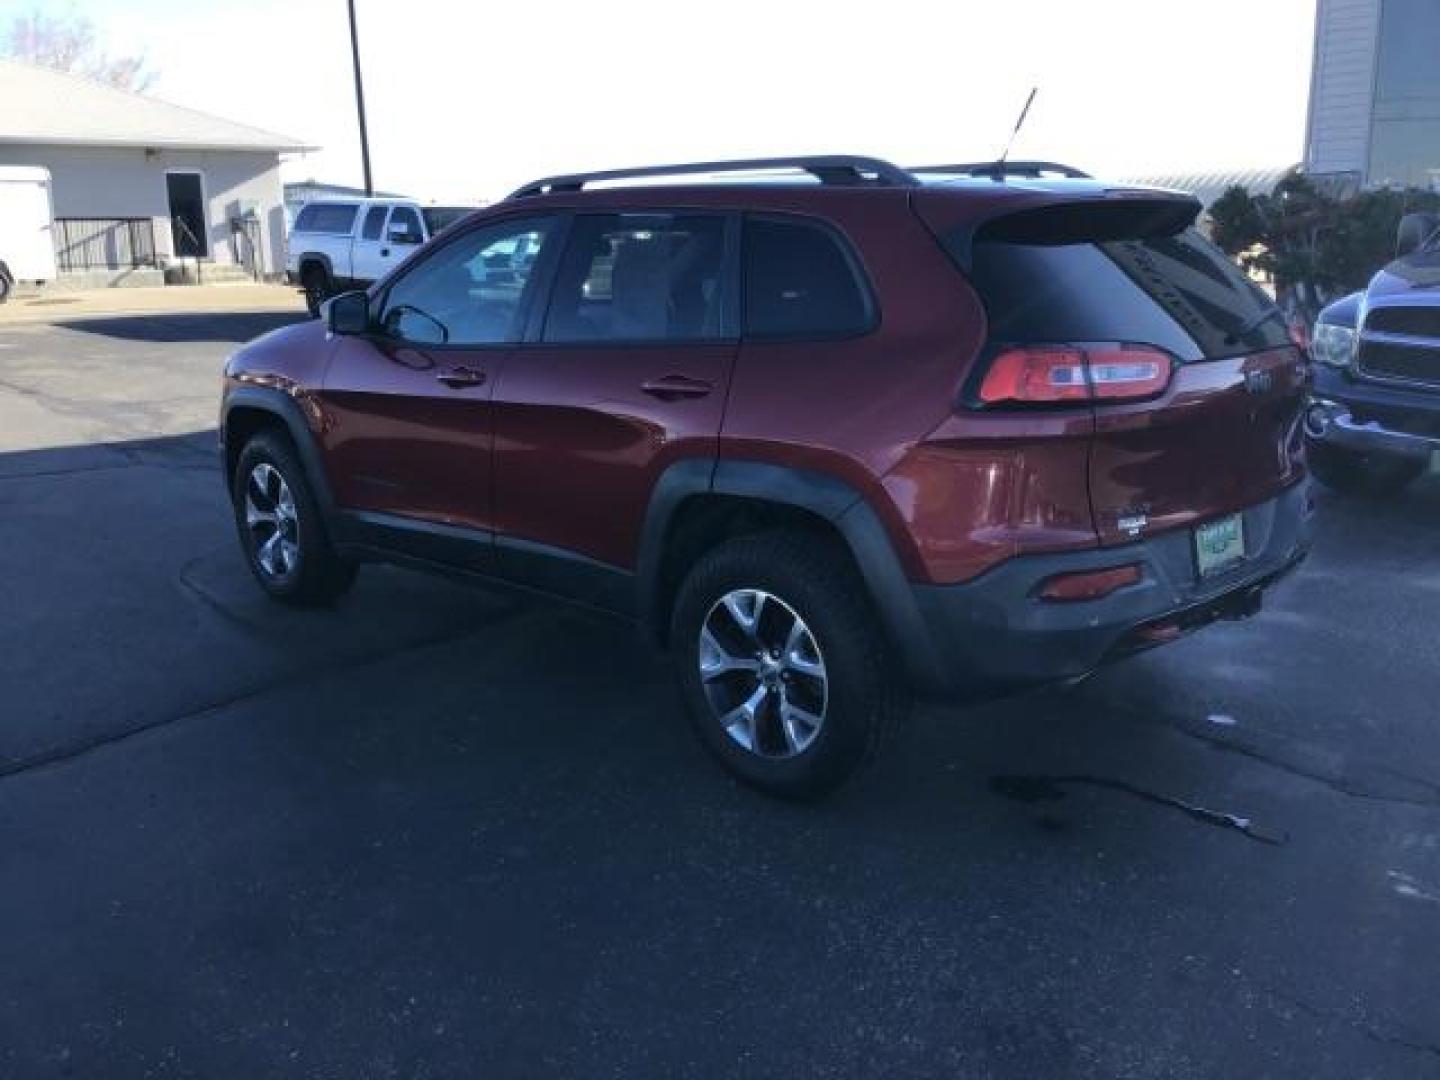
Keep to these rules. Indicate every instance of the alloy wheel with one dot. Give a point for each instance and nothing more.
(273, 523)
(763, 674)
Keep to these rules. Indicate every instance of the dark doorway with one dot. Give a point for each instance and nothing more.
(187, 214)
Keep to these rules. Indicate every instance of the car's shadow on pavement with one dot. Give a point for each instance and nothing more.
(233, 326)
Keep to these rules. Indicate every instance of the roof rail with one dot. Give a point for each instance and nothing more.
(998, 170)
(846, 170)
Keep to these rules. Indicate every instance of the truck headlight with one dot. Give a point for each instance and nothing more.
(1333, 345)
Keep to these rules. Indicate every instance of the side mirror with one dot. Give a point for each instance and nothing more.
(1414, 230)
(348, 313)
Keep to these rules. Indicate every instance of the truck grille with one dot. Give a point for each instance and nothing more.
(1416, 321)
(1389, 360)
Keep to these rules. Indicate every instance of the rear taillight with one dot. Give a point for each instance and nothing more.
(1047, 374)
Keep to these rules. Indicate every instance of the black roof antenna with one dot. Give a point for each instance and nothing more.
(1000, 164)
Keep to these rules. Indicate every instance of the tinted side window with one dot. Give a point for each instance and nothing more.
(374, 223)
(469, 292)
(799, 282)
(337, 218)
(640, 277)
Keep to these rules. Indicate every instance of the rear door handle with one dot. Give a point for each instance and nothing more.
(674, 387)
(461, 377)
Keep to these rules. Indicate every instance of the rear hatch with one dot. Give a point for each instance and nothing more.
(1187, 367)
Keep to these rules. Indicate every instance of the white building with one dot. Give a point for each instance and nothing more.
(1375, 92)
(139, 183)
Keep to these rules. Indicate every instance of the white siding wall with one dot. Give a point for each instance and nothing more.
(125, 182)
(1342, 86)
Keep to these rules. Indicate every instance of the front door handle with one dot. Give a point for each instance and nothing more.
(461, 377)
(384, 253)
(675, 387)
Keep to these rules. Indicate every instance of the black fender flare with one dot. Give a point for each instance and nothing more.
(314, 256)
(278, 403)
(821, 494)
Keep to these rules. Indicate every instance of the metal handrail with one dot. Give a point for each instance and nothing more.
(91, 243)
(838, 169)
(184, 227)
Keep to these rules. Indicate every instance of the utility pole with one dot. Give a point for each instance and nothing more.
(360, 102)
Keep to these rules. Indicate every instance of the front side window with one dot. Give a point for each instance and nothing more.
(374, 223)
(640, 277)
(799, 282)
(469, 292)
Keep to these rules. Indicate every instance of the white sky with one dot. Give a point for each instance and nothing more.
(469, 99)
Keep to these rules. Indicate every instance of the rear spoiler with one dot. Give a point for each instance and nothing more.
(1107, 215)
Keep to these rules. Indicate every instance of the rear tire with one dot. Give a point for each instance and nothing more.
(315, 280)
(814, 704)
(1372, 475)
(282, 531)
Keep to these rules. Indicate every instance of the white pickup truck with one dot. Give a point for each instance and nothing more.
(340, 244)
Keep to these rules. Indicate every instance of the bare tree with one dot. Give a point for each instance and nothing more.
(71, 44)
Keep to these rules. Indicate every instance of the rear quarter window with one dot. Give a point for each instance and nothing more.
(1178, 292)
(333, 218)
(800, 281)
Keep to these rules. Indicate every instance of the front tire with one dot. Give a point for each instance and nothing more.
(787, 680)
(282, 531)
(1352, 473)
(316, 283)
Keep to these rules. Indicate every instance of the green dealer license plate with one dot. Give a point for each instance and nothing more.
(1219, 544)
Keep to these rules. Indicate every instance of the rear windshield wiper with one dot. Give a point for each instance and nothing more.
(1251, 325)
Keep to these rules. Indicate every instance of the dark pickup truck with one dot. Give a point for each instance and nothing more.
(1373, 424)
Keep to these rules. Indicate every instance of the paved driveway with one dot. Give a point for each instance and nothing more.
(441, 832)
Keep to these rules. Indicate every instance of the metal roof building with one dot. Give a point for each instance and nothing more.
(1209, 186)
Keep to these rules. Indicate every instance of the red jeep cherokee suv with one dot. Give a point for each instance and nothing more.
(833, 431)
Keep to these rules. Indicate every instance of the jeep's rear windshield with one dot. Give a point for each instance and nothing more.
(1178, 292)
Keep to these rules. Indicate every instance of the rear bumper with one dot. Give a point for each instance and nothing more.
(994, 631)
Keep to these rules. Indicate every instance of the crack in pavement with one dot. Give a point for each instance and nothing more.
(130, 462)
(211, 601)
(1044, 788)
(142, 419)
(60, 755)
(1364, 1027)
(1340, 783)
(1423, 792)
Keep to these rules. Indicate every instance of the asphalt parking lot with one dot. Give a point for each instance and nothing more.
(440, 832)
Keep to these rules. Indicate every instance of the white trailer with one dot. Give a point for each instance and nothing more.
(27, 227)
